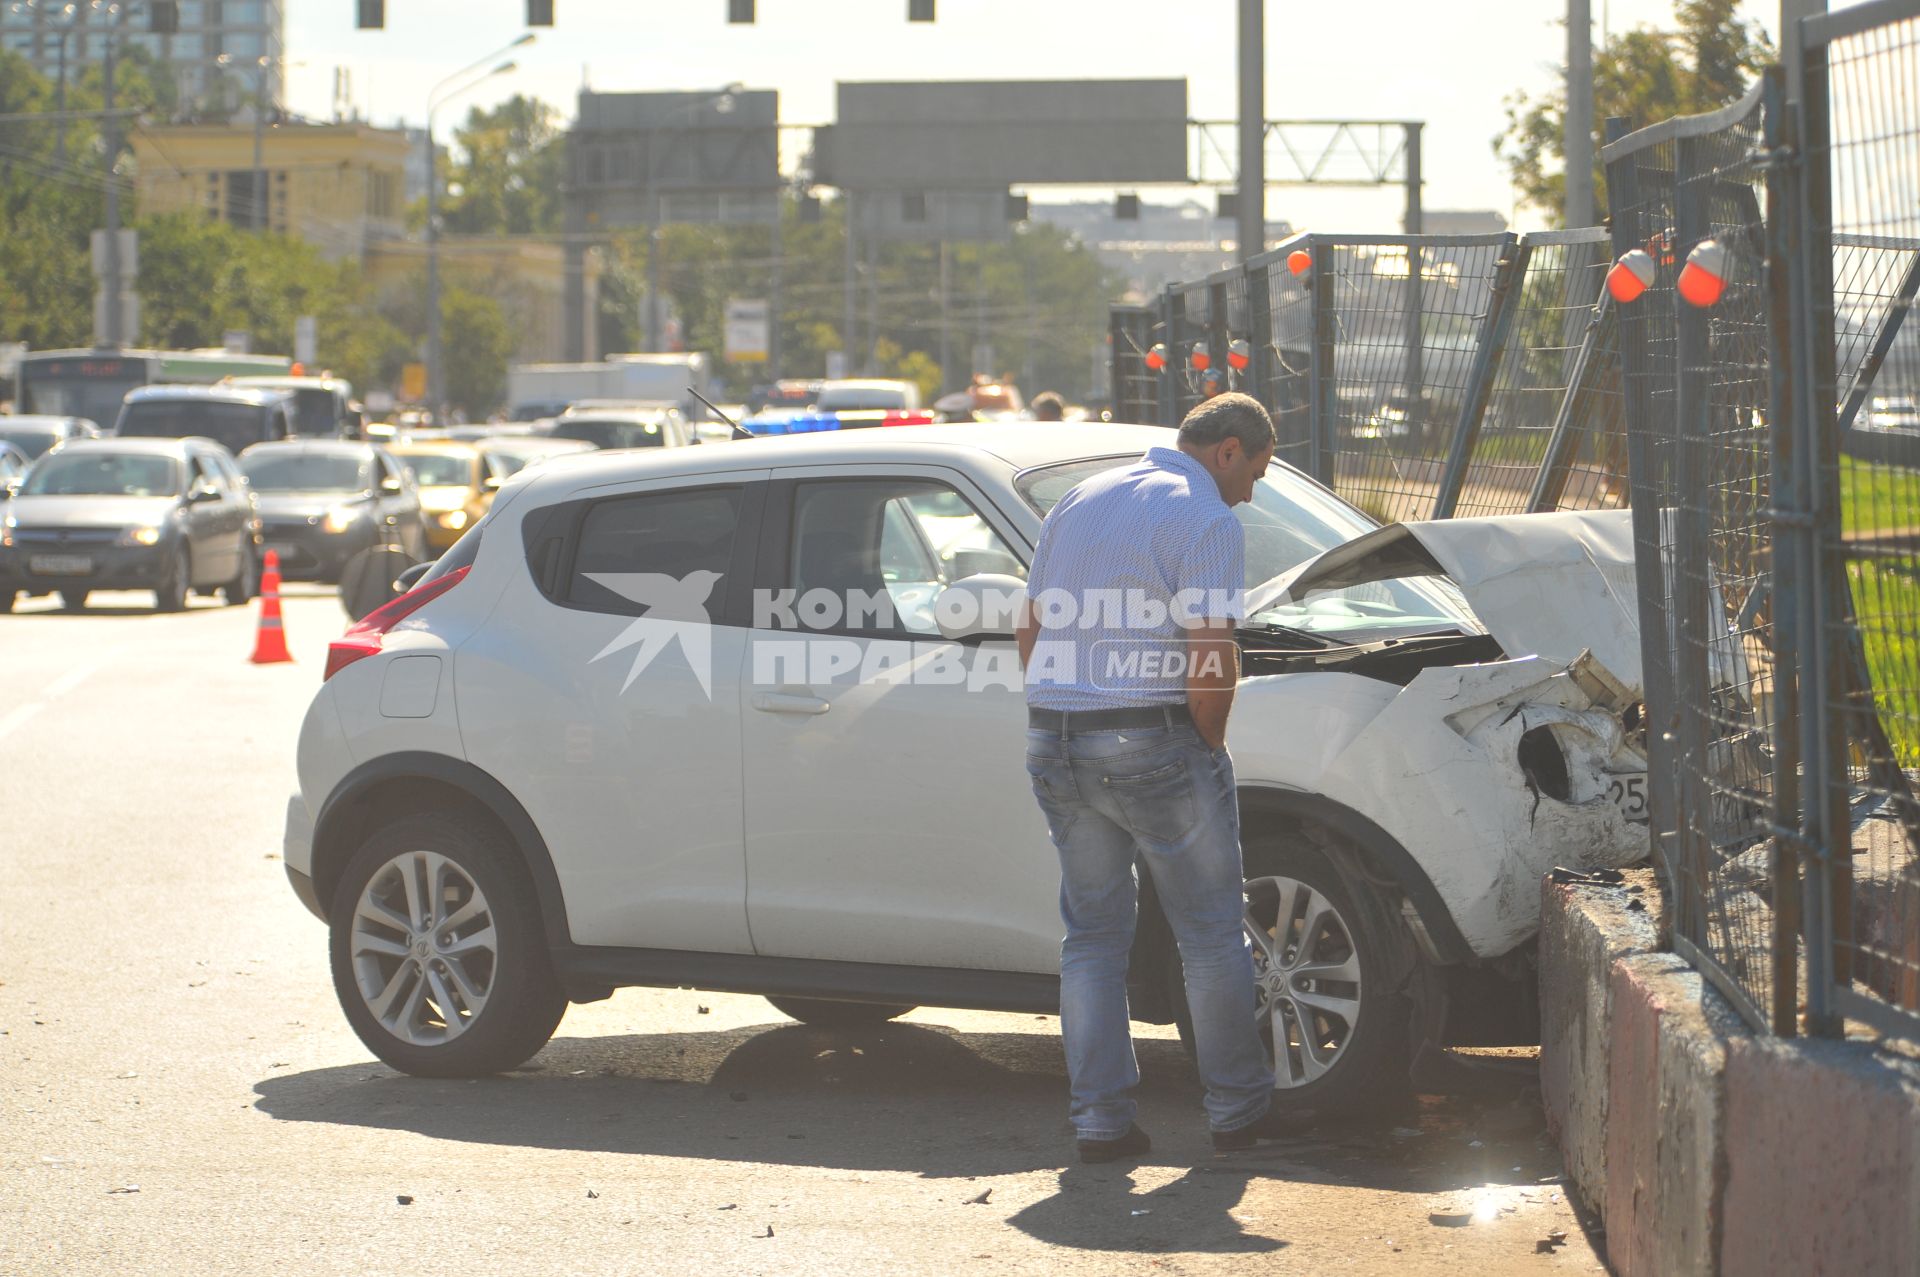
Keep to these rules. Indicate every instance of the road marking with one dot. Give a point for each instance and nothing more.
(54, 691)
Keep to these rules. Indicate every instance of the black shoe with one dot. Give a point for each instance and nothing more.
(1274, 1124)
(1127, 1147)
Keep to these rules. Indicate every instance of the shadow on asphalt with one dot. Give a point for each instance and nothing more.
(928, 1101)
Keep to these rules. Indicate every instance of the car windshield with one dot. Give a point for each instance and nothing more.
(103, 474)
(32, 440)
(1289, 521)
(440, 469)
(234, 424)
(316, 411)
(279, 471)
(612, 434)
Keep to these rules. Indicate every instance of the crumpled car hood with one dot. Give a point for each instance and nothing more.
(1550, 585)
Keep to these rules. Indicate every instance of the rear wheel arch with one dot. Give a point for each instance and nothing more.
(394, 785)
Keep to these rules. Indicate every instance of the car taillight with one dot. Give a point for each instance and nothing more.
(907, 419)
(365, 636)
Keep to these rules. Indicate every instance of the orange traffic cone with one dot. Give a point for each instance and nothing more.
(270, 640)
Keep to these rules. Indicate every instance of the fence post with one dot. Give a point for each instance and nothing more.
(1173, 308)
(1646, 493)
(1827, 885)
(1791, 534)
(1509, 274)
(1219, 332)
(1324, 390)
(1550, 484)
(1260, 338)
(1684, 546)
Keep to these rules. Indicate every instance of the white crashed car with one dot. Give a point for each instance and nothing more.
(623, 735)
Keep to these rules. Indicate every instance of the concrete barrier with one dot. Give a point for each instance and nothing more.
(1704, 1147)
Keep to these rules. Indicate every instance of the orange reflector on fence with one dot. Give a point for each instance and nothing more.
(1703, 280)
(1239, 354)
(1631, 276)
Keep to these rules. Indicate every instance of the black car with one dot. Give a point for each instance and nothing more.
(324, 501)
(235, 417)
(167, 515)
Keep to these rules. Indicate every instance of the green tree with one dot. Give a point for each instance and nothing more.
(506, 171)
(478, 343)
(1646, 75)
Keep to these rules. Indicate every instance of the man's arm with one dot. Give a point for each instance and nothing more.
(1026, 632)
(1213, 662)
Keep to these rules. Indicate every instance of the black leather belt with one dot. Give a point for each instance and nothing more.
(1068, 721)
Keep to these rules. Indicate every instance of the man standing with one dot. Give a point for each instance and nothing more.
(1127, 642)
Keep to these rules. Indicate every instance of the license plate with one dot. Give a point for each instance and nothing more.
(61, 564)
(1629, 794)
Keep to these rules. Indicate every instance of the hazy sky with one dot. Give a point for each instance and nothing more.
(1449, 62)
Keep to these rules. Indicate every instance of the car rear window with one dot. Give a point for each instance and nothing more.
(613, 434)
(674, 535)
(236, 425)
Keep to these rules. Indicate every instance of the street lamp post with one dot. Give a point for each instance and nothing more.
(436, 385)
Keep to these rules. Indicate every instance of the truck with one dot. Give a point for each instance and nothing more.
(545, 390)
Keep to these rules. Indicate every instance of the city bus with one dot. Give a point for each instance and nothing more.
(91, 383)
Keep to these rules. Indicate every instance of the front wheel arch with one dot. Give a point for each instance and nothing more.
(384, 788)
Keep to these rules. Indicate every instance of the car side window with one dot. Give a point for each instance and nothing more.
(885, 548)
(204, 473)
(666, 551)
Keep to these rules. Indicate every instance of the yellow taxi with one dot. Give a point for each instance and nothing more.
(456, 486)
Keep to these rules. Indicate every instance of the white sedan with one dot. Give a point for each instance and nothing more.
(728, 718)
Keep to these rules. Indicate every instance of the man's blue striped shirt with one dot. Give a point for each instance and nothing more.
(1123, 559)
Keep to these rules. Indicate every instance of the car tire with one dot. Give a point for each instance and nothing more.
(242, 588)
(171, 594)
(1361, 1050)
(397, 983)
(827, 1014)
(74, 600)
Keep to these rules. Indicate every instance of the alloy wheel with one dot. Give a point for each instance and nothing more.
(1306, 977)
(423, 948)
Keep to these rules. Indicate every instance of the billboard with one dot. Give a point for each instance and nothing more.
(983, 134)
(694, 157)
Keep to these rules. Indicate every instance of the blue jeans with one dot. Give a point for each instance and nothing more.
(1160, 796)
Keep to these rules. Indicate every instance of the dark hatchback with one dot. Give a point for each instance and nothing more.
(322, 502)
(167, 515)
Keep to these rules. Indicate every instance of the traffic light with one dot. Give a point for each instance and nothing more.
(1126, 208)
(163, 17)
(919, 10)
(1016, 208)
(739, 10)
(1227, 205)
(539, 13)
(373, 15)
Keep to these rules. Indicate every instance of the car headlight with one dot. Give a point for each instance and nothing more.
(139, 536)
(454, 519)
(341, 517)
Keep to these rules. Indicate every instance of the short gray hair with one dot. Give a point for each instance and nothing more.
(1229, 416)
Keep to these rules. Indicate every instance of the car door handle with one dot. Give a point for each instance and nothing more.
(782, 703)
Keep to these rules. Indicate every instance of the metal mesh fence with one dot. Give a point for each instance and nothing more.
(1280, 310)
(1863, 142)
(1189, 322)
(1533, 448)
(1136, 388)
(1698, 387)
(1406, 316)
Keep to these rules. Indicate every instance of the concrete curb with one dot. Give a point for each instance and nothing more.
(1704, 1147)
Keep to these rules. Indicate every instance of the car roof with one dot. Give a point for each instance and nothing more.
(356, 447)
(290, 382)
(212, 394)
(1020, 445)
(37, 420)
(428, 447)
(135, 443)
(865, 383)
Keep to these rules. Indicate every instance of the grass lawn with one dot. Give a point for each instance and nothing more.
(1877, 498)
(1887, 601)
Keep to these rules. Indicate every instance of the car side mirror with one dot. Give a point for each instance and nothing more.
(389, 484)
(411, 577)
(491, 483)
(983, 606)
(202, 493)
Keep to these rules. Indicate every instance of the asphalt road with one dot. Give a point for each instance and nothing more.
(180, 1094)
